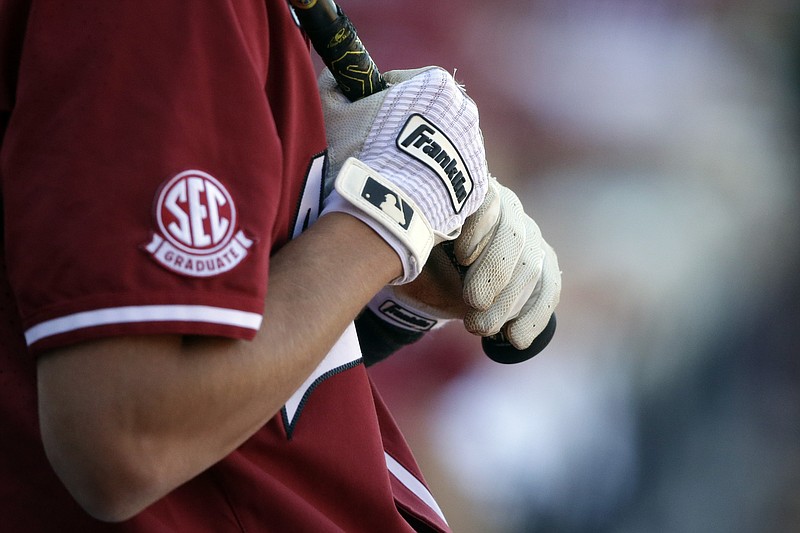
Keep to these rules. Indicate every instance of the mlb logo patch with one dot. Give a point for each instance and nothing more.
(388, 201)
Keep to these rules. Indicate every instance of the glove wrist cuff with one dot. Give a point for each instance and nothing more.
(388, 210)
(400, 313)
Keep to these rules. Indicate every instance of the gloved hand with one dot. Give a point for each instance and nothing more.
(513, 281)
(498, 274)
(409, 161)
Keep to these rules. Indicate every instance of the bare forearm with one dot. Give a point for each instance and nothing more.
(181, 405)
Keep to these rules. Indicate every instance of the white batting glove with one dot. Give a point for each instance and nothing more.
(513, 281)
(409, 161)
(500, 267)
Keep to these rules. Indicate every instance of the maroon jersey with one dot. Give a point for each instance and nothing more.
(154, 155)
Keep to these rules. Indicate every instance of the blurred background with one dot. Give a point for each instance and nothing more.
(655, 142)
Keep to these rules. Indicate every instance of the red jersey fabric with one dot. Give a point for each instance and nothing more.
(154, 155)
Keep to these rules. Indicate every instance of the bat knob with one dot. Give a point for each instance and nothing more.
(499, 350)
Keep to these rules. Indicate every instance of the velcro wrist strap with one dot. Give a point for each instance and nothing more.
(334, 203)
(392, 209)
(399, 313)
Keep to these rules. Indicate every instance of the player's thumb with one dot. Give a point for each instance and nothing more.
(479, 228)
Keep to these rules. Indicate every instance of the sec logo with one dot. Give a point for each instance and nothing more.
(195, 212)
(196, 220)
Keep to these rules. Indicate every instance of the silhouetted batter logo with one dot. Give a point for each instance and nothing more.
(388, 202)
(196, 220)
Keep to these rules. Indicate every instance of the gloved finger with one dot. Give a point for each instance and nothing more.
(512, 299)
(479, 228)
(346, 121)
(345, 124)
(393, 77)
(328, 88)
(493, 269)
(327, 83)
(536, 312)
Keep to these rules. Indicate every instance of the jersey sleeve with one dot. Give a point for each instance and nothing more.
(141, 170)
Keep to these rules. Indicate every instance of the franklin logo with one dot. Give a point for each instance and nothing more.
(196, 220)
(405, 317)
(423, 141)
(388, 202)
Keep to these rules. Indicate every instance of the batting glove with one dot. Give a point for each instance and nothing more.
(409, 161)
(499, 266)
(513, 281)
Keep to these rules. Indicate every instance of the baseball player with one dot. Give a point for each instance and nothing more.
(178, 352)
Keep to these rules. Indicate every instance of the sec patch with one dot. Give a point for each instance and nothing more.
(196, 227)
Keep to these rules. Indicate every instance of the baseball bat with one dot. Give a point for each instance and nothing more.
(335, 40)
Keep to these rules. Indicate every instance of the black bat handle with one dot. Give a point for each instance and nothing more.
(335, 40)
(498, 349)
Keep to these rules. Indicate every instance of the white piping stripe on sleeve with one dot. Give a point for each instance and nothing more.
(411, 482)
(143, 313)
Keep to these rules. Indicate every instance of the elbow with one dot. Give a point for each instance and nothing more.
(111, 425)
(110, 484)
(109, 503)
(106, 506)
